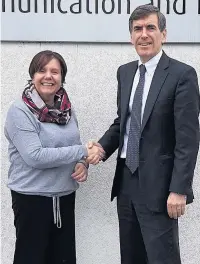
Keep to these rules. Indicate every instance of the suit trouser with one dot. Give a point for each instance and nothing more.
(145, 236)
(38, 239)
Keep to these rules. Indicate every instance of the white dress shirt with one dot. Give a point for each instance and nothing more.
(150, 69)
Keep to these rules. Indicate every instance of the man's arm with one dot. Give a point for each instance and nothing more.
(110, 140)
(186, 112)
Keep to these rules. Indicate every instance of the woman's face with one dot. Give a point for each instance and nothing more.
(47, 81)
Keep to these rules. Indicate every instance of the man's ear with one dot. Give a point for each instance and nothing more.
(164, 37)
(131, 39)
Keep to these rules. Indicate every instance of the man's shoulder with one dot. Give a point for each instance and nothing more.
(128, 65)
(179, 66)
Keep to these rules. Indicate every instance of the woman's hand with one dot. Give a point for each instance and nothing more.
(95, 152)
(80, 173)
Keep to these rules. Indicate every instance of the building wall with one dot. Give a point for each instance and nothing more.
(91, 84)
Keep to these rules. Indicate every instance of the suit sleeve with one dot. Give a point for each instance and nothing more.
(186, 113)
(110, 140)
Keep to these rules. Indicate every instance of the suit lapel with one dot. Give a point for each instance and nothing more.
(156, 85)
(125, 93)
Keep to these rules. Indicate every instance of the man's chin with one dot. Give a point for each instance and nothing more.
(146, 56)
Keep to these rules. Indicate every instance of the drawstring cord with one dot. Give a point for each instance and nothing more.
(56, 212)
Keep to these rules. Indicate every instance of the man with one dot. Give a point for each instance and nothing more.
(157, 135)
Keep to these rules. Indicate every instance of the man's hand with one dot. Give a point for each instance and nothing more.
(176, 204)
(80, 173)
(95, 152)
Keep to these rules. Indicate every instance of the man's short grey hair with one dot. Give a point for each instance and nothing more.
(144, 11)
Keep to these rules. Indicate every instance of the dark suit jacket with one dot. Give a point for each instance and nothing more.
(170, 131)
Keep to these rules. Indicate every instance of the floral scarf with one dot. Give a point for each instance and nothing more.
(60, 113)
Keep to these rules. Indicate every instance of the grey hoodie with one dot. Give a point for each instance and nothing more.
(42, 155)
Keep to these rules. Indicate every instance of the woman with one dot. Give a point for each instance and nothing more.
(47, 160)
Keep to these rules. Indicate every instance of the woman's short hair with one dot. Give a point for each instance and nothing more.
(44, 57)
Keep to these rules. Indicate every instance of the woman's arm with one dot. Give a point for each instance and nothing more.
(24, 135)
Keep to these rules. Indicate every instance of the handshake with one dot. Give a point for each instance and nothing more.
(95, 152)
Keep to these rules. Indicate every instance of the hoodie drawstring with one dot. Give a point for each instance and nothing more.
(56, 211)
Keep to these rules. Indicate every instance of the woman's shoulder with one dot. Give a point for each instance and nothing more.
(19, 116)
(19, 110)
(18, 105)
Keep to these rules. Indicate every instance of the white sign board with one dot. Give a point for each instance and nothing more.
(92, 20)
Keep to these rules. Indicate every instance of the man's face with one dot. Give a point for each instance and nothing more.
(147, 37)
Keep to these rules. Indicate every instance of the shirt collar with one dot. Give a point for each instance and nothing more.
(152, 63)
